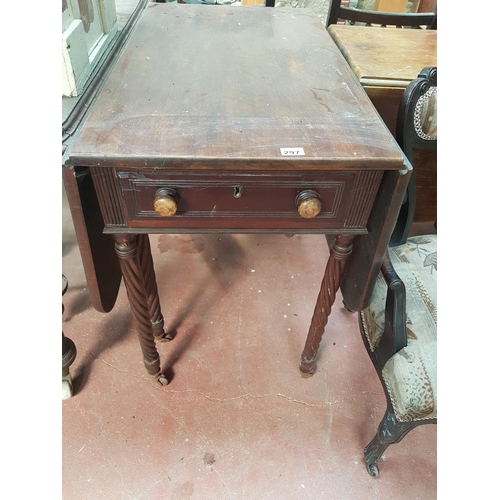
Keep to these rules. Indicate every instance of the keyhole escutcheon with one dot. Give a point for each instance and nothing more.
(237, 191)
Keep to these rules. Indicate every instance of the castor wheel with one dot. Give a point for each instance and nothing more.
(372, 470)
(345, 307)
(307, 368)
(162, 379)
(166, 337)
(67, 387)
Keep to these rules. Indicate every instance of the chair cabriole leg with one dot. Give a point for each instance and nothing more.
(390, 431)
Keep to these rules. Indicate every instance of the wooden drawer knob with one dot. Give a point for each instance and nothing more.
(308, 204)
(165, 202)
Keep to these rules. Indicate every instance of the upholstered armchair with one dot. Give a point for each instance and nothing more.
(399, 327)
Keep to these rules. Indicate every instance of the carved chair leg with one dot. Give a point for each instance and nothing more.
(148, 273)
(340, 249)
(68, 355)
(390, 431)
(126, 246)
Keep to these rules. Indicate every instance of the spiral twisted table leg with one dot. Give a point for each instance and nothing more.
(339, 251)
(146, 262)
(130, 263)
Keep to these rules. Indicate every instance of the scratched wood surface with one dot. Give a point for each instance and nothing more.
(199, 87)
(386, 57)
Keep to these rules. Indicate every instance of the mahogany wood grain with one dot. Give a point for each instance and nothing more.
(340, 250)
(362, 267)
(210, 88)
(261, 200)
(102, 272)
(143, 298)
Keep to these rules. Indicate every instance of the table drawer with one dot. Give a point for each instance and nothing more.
(259, 201)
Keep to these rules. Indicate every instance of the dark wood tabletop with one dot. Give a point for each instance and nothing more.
(234, 85)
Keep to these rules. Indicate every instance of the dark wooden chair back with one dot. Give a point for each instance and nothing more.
(370, 17)
(416, 133)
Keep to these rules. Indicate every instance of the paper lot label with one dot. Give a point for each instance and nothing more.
(292, 151)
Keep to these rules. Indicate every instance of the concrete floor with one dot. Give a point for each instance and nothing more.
(237, 421)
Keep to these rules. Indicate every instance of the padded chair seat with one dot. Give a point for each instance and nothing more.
(410, 375)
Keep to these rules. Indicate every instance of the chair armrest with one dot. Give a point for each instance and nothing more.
(394, 336)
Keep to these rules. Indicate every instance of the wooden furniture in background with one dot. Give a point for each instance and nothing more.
(249, 120)
(385, 61)
(427, 5)
(338, 11)
(390, 5)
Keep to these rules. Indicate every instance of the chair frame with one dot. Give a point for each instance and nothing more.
(408, 139)
(390, 430)
(394, 337)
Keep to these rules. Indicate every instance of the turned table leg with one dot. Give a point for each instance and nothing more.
(339, 251)
(146, 262)
(136, 264)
